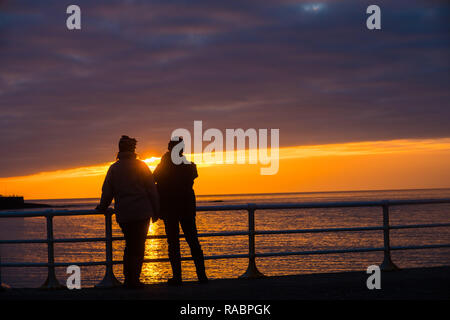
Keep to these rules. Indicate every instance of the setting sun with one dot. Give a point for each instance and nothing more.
(391, 164)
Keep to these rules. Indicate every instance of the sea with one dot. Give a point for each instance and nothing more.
(224, 221)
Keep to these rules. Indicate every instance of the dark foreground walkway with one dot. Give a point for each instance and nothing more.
(423, 283)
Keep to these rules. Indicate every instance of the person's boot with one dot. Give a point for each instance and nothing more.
(138, 284)
(199, 262)
(133, 282)
(176, 280)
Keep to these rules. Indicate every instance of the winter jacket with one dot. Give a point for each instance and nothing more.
(175, 187)
(130, 183)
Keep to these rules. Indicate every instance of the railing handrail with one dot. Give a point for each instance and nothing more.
(252, 271)
(234, 207)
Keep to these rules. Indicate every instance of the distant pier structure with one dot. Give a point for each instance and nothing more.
(11, 202)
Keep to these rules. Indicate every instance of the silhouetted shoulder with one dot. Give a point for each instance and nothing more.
(166, 157)
(113, 166)
(141, 163)
(193, 168)
(142, 166)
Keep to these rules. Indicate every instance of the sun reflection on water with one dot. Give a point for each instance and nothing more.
(154, 248)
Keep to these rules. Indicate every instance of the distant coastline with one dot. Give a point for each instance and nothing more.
(18, 202)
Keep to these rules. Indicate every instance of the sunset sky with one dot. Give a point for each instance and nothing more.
(356, 109)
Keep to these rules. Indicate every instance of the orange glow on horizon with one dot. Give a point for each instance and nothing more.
(395, 164)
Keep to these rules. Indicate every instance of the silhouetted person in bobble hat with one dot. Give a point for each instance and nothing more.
(175, 186)
(130, 183)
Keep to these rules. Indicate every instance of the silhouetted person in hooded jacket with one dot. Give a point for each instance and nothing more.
(130, 183)
(175, 187)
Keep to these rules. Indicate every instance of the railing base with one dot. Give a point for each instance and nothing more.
(109, 281)
(388, 265)
(52, 284)
(4, 287)
(252, 272)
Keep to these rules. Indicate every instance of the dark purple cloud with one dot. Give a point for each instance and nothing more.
(144, 68)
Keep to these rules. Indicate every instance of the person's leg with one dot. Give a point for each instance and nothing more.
(173, 241)
(126, 270)
(190, 233)
(141, 237)
(136, 249)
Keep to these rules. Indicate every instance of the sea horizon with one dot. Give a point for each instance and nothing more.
(273, 193)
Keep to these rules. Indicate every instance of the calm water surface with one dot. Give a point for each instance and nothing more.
(93, 226)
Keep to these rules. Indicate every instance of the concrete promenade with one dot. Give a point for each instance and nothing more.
(422, 283)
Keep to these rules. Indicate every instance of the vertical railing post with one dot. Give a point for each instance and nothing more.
(252, 271)
(52, 281)
(109, 280)
(387, 264)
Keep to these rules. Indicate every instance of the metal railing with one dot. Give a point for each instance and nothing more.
(109, 280)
